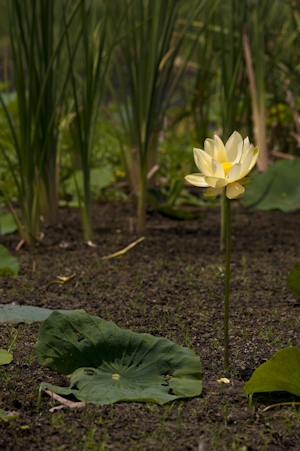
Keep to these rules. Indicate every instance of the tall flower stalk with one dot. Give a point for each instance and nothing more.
(225, 166)
(227, 281)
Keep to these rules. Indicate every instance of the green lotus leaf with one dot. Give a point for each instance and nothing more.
(7, 261)
(294, 280)
(278, 188)
(5, 357)
(280, 373)
(24, 313)
(109, 364)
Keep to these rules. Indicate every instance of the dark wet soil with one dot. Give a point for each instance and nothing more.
(169, 285)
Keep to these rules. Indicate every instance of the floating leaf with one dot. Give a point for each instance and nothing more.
(109, 364)
(7, 261)
(280, 373)
(278, 188)
(5, 357)
(7, 223)
(294, 280)
(24, 313)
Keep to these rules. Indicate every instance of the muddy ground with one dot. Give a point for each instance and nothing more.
(170, 285)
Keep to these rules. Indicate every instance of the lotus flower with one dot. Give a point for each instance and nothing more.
(222, 166)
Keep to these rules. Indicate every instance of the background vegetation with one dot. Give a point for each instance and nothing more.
(105, 100)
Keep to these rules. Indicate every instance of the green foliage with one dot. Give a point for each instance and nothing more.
(277, 188)
(100, 178)
(177, 212)
(7, 223)
(280, 373)
(5, 417)
(8, 264)
(294, 280)
(25, 313)
(150, 55)
(6, 272)
(87, 90)
(10, 165)
(150, 41)
(109, 364)
(35, 52)
(169, 207)
(5, 357)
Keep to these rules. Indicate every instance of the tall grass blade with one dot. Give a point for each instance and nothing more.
(87, 87)
(35, 57)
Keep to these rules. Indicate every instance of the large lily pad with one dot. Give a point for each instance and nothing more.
(9, 265)
(294, 280)
(280, 373)
(24, 313)
(109, 364)
(278, 188)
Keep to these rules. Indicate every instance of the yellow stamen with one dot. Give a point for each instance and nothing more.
(226, 167)
(116, 376)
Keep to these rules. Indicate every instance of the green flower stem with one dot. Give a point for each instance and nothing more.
(227, 280)
(223, 221)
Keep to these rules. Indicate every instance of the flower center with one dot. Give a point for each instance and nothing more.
(226, 167)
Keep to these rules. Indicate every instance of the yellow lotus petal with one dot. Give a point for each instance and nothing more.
(209, 147)
(203, 161)
(256, 153)
(220, 151)
(234, 173)
(196, 179)
(245, 180)
(216, 182)
(249, 162)
(246, 146)
(246, 149)
(246, 163)
(234, 148)
(217, 169)
(212, 192)
(234, 190)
